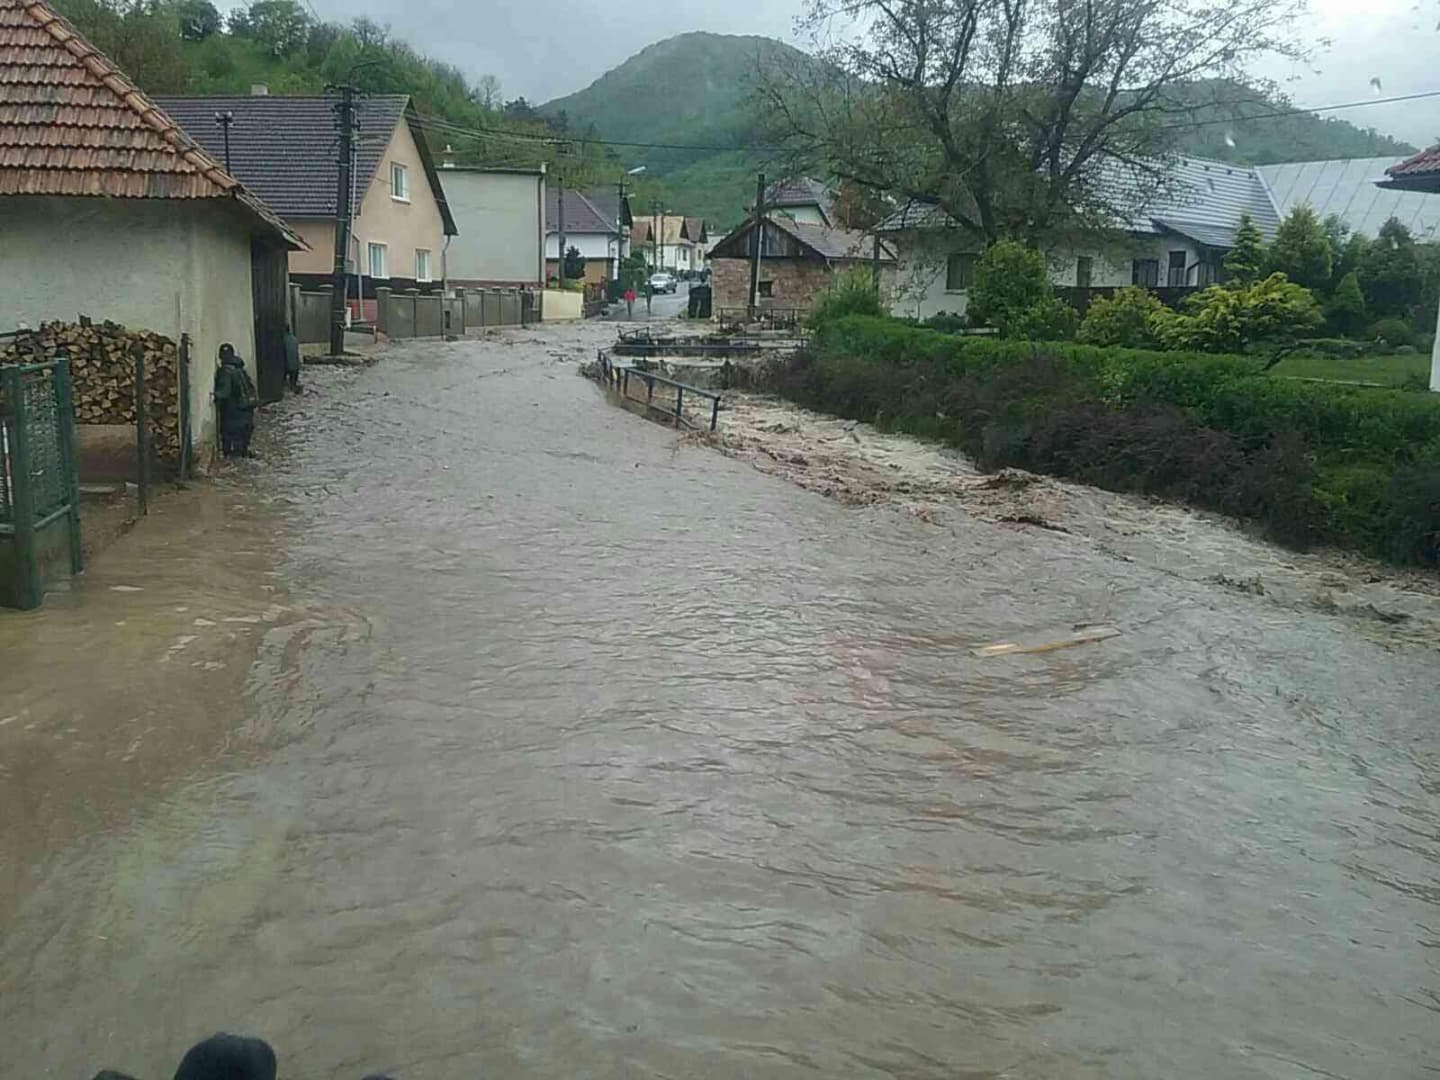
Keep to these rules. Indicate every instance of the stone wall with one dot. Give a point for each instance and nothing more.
(794, 283)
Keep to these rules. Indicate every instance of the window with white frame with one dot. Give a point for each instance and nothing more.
(378, 269)
(399, 182)
(422, 264)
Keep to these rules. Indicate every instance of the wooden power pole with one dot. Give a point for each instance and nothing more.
(345, 119)
(755, 245)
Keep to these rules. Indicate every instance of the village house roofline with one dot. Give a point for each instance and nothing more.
(72, 124)
(582, 217)
(285, 146)
(823, 241)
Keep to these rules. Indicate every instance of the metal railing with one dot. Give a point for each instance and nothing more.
(773, 318)
(618, 378)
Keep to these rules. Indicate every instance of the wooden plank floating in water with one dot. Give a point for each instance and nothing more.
(1080, 637)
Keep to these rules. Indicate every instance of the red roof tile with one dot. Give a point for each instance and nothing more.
(1426, 161)
(72, 124)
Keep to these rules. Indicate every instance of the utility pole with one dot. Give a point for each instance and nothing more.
(655, 248)
(620, 230)
(560, 225)
(755, 245)
(345, 119)
(225, 119)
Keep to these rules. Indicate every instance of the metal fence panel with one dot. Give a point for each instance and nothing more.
(39, 508)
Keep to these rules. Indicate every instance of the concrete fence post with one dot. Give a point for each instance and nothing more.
(382, 310)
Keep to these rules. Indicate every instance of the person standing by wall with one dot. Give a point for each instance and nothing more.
(292, 359)
(236, 398)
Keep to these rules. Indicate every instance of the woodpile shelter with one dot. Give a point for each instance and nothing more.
(798, 261)
(109, 209)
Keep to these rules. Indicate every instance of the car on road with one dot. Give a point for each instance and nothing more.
(663, 282)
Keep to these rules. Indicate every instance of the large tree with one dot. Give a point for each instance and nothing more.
(1017, 117)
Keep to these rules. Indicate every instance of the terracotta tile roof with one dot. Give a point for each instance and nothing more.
(72, 124)
(1425, 162)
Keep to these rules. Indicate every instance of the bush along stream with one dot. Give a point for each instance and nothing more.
(1306, 462)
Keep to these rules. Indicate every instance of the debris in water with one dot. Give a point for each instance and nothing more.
(126, 588)
(1031, 519)
(1083, 637)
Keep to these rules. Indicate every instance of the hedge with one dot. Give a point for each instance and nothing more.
(1307, 462)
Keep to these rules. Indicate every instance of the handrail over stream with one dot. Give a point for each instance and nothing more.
(619, 378)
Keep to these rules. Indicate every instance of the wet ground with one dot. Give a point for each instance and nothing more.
(568, 748)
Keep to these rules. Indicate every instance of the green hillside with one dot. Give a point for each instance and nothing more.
(690, 89)
(694, 88)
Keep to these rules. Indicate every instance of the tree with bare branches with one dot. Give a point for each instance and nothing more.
(1018, 118)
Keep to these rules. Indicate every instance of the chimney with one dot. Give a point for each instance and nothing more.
(447, 157)
(259, 89)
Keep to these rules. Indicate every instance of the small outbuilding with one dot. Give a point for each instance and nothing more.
(1420, 172)
(108, 209)
(798, 262)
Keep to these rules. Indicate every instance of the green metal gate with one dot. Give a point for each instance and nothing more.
(39, 496)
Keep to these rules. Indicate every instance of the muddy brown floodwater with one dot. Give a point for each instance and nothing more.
(574, 751)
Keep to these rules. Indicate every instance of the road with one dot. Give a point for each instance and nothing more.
(567, 749)
(663, 306)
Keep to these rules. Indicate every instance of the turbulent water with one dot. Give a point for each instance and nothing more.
(573, 752)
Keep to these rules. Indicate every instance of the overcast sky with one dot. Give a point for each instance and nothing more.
(540, 49)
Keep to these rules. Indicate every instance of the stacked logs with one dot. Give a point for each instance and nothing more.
(102, 368)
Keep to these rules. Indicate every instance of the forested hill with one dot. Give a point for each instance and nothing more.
(694, 89)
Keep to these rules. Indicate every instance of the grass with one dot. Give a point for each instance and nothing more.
(1393, 370)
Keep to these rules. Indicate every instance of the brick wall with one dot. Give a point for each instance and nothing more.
(794, 283)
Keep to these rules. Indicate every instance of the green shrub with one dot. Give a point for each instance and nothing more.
(1305, 460)
(1127, 319)
(851, 293)
(1269, 313)
(1012, 293)
(1392, 331)
(1345, 310)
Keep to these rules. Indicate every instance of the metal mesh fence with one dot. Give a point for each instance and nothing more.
(7, 490)
(44, 426)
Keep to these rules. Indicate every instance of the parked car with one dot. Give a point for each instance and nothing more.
(663, 282)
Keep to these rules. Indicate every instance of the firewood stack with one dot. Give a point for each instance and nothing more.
(102, 367)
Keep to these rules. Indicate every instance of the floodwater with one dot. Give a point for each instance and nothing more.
(573, 751)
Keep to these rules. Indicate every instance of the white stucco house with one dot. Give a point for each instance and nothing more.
(1175, 239)
(671, 242)
(108, 208)
(587, 228)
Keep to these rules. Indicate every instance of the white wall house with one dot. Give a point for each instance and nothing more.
(588, 229)
(154, 234)
(1175, 239)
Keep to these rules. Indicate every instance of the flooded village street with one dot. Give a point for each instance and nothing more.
(514, 737)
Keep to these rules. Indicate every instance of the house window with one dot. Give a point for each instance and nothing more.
(422, 265)
(767, 288)
(959, 272)
(1205, 274)
(399, 182)
(1084, 268)
(1176, 268)
(377, 262)
(1145, 272)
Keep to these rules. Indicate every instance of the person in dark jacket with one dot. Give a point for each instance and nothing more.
(236, 398)
(292, 359)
